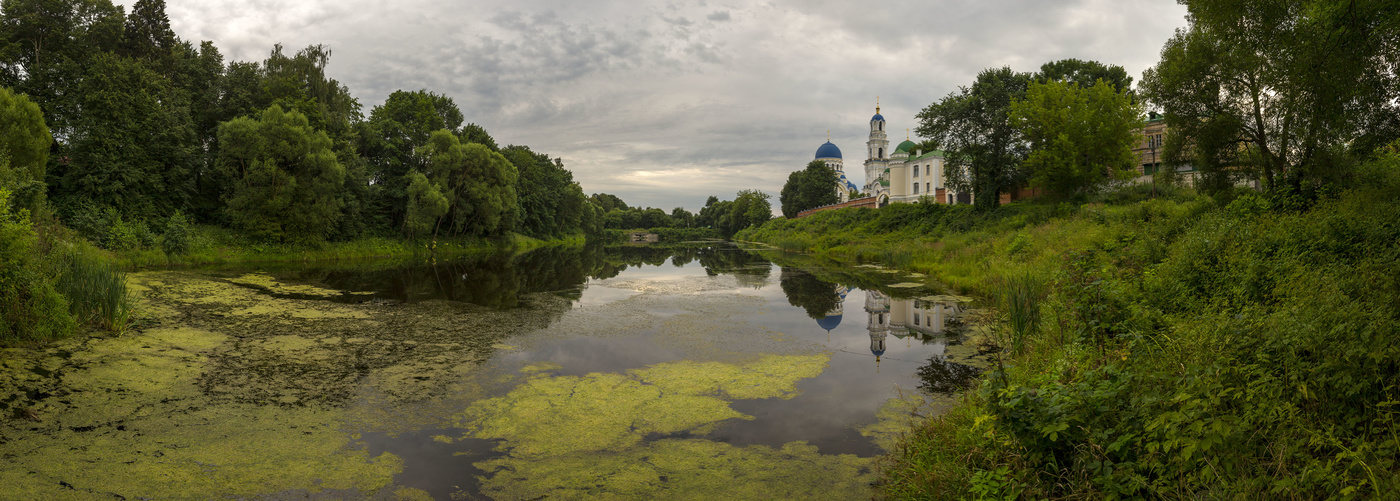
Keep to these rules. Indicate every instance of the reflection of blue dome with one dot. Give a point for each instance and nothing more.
(877, 118)
(830, 322)
(828, 150)
(878, 353)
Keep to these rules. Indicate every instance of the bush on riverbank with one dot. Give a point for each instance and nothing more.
(1188, 347)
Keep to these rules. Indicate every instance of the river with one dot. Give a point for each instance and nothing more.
(700, 371)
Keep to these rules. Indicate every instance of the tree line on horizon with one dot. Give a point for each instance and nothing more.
(139, 126)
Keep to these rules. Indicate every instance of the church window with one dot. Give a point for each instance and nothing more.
(928, 187)
(881, 154)
(916, 188)
(916, 319)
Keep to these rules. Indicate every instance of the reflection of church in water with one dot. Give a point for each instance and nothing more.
(905, 319)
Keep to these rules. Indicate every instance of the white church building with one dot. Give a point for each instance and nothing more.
(905, 174)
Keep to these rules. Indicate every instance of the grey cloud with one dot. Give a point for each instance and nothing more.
(642, 101)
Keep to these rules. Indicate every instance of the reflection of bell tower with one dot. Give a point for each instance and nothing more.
(877, 312)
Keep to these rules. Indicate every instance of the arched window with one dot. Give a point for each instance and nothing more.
(881, 154)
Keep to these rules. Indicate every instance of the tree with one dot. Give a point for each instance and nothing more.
(391, 138)
(426, 205)
(972, 125)
(287, 178)
(749, 208)
(479, 184)
(1085, 74)
(45, 46)
(24, 149)
(608, 202)
(1080, 137)
(1267, 88)
(545, 196)
(147, 36)
(134, 146)
(811, 187)
(682, 218)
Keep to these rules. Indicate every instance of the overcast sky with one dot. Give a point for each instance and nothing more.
(666, 103)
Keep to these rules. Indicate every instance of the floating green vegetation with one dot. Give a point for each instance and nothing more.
(682, 469)
(128, 419)
(267, 283)
(906, 285)
(231, 390)
(586, 436)
(551, 415)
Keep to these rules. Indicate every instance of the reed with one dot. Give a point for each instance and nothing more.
(1019, 295)
(96, 289)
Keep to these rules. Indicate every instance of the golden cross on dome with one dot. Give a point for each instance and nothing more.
(906, 134)
(877, 105)
(828, 135)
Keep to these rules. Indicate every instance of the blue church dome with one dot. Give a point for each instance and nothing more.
(830, 322)
(828, 150)
(877, 118)
(878, 353)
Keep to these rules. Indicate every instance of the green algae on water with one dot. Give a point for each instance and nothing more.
(682, 469)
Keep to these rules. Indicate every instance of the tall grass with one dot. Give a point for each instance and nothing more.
(95, 288)
(1018, 296)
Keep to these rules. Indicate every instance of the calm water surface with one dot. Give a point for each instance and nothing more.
(633, 308)
(698, 371)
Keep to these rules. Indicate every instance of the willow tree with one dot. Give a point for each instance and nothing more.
(478, 184)
(287, 179)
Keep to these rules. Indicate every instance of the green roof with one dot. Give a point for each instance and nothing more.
(934, 153)
(905, 147)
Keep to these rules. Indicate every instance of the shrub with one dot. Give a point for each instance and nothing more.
(178, 234)
(30, 308)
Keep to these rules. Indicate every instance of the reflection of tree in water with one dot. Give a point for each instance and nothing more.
(749, 269)
(500, 280)
(497, 280)
(942, 376)
(804, 290)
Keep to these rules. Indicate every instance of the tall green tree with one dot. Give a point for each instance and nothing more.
(299, 82)
(973, 126)
(45, 47)
(749, 208)
(1260, 88)
(1080, 137)
(808, 188)
(608, 201)
(24, 149)
(1085, 74)
(390, 141)
(147, 36)
(545, 196)
(287, 178)
(134, 145)
(479, 185)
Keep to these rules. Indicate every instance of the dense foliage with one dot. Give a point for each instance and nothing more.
(1264, 90)
(1080, 137)
(809, 188)
(148, 125)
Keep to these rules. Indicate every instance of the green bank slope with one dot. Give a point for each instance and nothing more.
(1172, 347)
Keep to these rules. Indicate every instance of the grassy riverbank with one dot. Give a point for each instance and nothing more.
(212, 246)
(1182, 346)
(54, 282)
